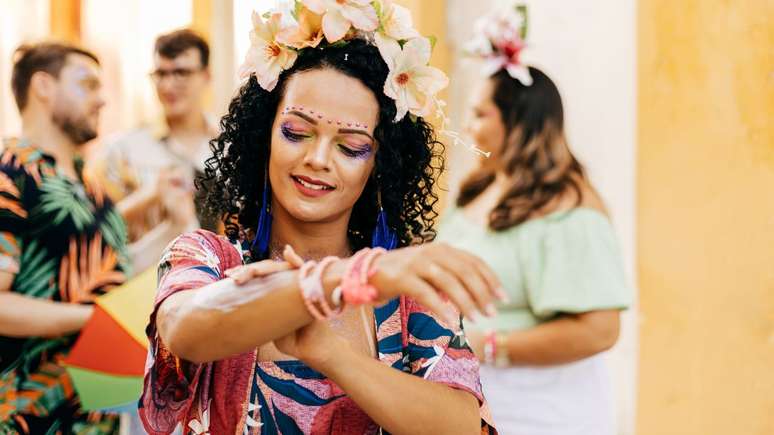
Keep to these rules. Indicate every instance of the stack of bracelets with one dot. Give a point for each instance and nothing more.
(495, 352)
(354, 288)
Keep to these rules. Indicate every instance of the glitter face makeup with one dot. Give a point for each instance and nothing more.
(319, 169)
(359, 153)
(296, 132)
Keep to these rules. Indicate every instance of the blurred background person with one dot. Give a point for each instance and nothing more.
(530, 212)
(150, 174)
(62, 243)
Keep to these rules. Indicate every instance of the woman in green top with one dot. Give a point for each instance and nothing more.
(530, 212)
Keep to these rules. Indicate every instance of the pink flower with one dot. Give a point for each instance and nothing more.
(266, 58)
(340, 15)
(412, 83)
(499, 42)
(506, 56)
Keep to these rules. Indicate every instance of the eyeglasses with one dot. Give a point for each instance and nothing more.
(177, 74)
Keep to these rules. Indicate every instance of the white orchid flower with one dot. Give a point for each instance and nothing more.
(412, 83)
(267, 58)
(338, 16)
(396, 22)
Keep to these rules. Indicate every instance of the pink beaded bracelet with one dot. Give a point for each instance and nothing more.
(309, 291)
(355, 289)
(312, 289)
(490, 347)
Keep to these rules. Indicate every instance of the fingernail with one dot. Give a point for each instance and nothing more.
(491, 311)
(502, 294)
(475, 316)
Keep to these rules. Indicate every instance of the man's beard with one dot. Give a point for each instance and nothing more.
(76, 129)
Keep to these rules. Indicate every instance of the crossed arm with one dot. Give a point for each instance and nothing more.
(399, 402)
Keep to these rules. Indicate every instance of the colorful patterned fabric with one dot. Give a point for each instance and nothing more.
(242, 395)
(63, 241)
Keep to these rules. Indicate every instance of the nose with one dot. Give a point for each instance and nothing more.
(165, 84)
(318, 155)
(100, 101)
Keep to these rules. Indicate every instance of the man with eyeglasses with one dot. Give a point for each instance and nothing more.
(150, 172)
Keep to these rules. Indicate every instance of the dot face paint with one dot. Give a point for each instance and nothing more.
(320, 116)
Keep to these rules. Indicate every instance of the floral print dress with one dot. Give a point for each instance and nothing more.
(63, 241)
(241, 395)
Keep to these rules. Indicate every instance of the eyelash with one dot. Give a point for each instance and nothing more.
(291, 136)
(295, 137)
(354, 153)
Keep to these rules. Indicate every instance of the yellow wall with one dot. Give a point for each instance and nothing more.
(65, 20)
(202, 24)
(706, 217)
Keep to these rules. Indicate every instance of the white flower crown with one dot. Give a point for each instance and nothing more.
(280, 34)
(499, 39)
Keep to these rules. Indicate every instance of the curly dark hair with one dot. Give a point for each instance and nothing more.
(408, 158)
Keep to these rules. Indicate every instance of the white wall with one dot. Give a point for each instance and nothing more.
(21, 21)
(122, 35)
(589, 49)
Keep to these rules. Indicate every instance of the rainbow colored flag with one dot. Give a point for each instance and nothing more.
(107, 361)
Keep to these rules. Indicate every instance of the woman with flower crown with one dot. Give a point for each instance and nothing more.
(530, 212)
(321, 312)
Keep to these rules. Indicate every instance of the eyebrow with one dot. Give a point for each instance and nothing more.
(304, 116)
(91, 79)
(341, 130)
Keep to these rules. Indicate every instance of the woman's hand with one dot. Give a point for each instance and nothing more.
(434, 273)
(314, 344)
(242, 274)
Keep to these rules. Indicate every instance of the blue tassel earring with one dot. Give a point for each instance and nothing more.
(264, 221)
(383, 236)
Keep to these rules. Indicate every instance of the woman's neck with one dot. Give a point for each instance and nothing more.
(312, 241)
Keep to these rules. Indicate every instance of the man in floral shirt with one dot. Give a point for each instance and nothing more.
(61, 241)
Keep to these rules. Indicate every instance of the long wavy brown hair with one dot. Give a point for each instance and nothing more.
(535, 155)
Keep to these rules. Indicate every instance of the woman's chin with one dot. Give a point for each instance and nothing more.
(310, 213)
